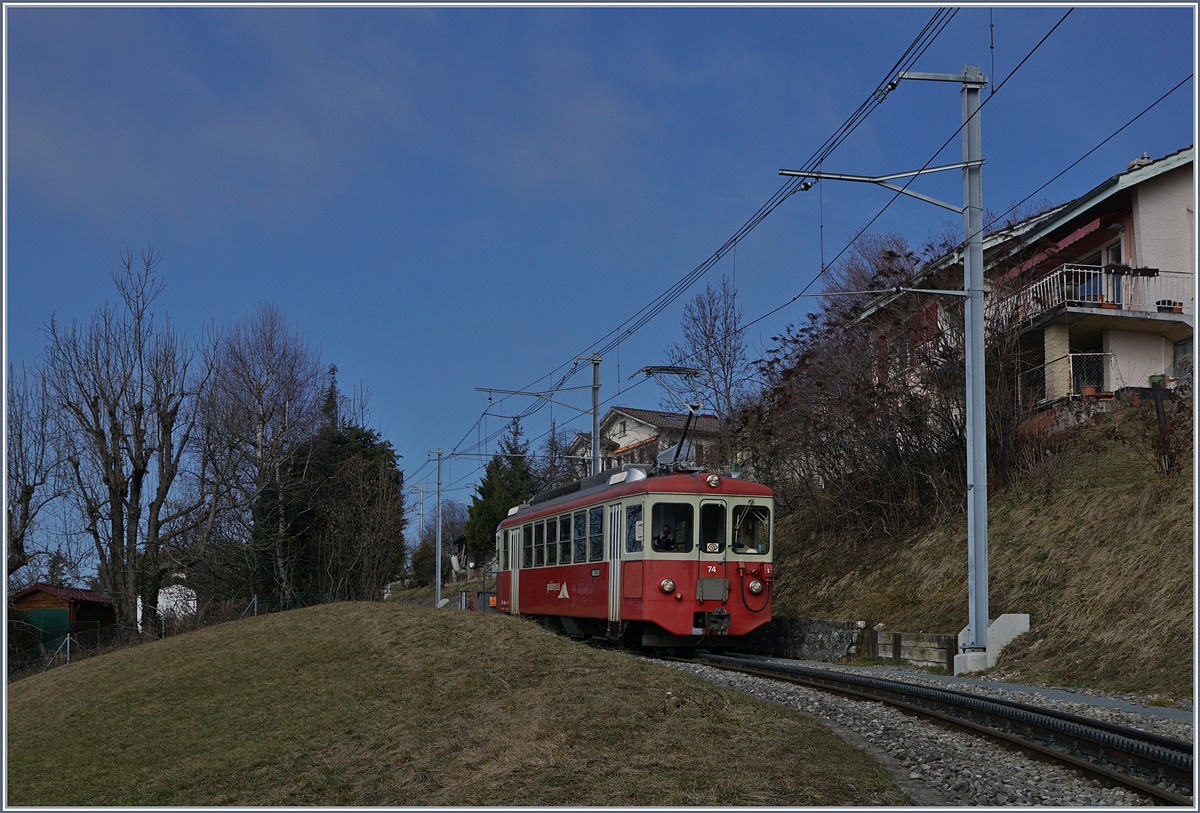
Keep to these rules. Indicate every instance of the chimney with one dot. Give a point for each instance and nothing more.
(1138, 163)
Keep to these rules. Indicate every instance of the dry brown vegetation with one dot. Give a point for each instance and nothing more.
(397, 705)
(1093, 544)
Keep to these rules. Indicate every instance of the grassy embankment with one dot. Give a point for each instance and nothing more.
(392, 704)
(1096, 547)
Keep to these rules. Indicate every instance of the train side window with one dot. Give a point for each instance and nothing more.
(581, 536)
(564, 539)
(712, 527)
(551, 542)
(633, 529)
(671, 525)
(539, 544)
(502, 549)
(527, 546)
(596, 534)
(751, 529)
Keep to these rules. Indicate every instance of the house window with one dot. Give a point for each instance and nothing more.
(1182, 366)
(621, 434)
(1112, 254)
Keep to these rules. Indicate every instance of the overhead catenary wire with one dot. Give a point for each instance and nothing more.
(647, 312)
(804, 293)
(924, 39)
(927, 164)
(916, 49)
(643, 316)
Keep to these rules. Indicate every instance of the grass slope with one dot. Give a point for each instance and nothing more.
(1095, 547)
(388, 704)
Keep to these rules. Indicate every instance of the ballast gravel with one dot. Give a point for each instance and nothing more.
(936, 766)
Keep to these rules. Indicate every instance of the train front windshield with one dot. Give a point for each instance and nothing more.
(674, 527)
(751, 529)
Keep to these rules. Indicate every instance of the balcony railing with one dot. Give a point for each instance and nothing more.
(1104, 288)
(1069, 376)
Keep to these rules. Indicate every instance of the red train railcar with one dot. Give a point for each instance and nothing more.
(664, 560)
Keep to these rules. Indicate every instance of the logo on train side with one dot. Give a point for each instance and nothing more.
(561, 587)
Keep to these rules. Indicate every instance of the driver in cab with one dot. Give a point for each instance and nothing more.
(665, 541)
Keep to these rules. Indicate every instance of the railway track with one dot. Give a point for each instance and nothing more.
(1156, 766)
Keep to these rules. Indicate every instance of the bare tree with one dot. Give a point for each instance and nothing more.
(31, 461)
(713, 342)
(454, 527)
(265, 402)
(861, 421)
(552, 467)
(121, 387)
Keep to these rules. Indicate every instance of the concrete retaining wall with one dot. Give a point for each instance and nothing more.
(835, 641)
(918, 648)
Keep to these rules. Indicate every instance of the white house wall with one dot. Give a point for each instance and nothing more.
(1163, 219)
(1136, 357)
(635, 431)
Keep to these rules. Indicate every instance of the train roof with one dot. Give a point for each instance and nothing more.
(633, 479)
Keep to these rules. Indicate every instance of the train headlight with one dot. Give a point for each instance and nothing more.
(713, 481)
(667, 586)
(755, 586)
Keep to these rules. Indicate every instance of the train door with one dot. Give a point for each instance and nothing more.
(515, 552)
(616, 527)
(713, 582)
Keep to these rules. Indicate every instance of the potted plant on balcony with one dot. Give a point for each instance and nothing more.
(1169, 306)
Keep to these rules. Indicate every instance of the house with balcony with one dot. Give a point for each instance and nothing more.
(1096, 295)
(1100, 292)
(631, 435)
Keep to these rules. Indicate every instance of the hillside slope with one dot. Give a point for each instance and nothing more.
(388, 704)
(1094, 546)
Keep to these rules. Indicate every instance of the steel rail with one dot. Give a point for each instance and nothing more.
(1035, 730)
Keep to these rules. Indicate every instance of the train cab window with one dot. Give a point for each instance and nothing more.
(551, 542)
(564, 539)
(581, 536)
(502, 549)
(527, 546)
(633, 529)
(539, 544)
(596, 534)
(751, 529)
(671, 524)
(712, 527)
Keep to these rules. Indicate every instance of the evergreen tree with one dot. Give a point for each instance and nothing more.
(343, 510)
(507, 481)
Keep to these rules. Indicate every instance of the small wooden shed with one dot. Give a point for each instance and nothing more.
(57, 611)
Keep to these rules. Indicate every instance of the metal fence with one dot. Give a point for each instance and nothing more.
(1069, 376)
(90, 638)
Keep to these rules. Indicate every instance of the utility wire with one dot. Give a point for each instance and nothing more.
(932, 158)
(932, 29)
(782, 306)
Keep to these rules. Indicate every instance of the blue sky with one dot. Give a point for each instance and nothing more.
(450, 198)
